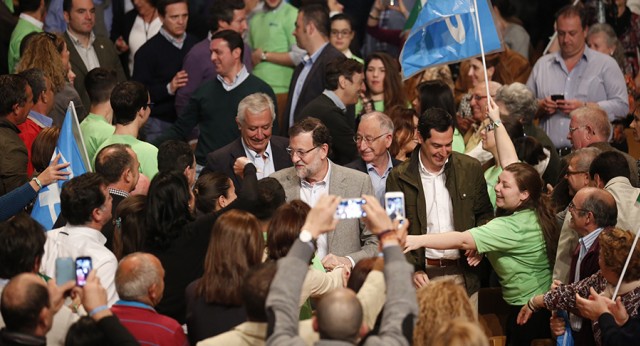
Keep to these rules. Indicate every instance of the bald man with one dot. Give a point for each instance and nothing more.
(28, 306)
(140, 285)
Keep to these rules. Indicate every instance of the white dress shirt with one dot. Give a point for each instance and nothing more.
(310, 193)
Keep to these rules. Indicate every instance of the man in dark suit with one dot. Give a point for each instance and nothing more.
(344, 78)
(87, 50)
(256, 115)
(312, 35)
(373, 140)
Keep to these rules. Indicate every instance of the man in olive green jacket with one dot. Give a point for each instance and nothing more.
(459, 176)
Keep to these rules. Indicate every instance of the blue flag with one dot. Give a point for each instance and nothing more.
(71, 148)
(446, 31)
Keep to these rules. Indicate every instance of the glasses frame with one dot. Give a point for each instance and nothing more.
(573, 206)
(358, 139)
(301, 153)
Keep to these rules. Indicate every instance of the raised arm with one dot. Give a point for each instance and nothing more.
(506, 151)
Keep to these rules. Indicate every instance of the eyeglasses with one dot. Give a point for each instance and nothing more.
(339, 33)
(572, 207)
(479, 97)
(570, 173)
(301, 153)
(572, 129)
(150, 105)
(368, 140)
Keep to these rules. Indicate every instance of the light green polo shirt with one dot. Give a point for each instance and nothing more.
(95, 130)
(272, 31)
(515, 247)
(491, 176)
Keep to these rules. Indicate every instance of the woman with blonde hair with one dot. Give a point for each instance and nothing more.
(440, 302)
(459, 332)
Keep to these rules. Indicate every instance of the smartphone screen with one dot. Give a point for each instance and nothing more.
(557, 97)
(83, 267)
(65, 270)
(394, 205)
(350, 209)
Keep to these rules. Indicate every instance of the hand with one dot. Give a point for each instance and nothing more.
(321, 218)
(420, 279)
(413, 242)
(550, 190)
(331, 262)
(57, 293)
(121, 45)
(400, 7)
(377, 219)
(619, 312)
(54, 172)
(548, 105)
(402, 229)
(93, 294)
(473, 257)
(464, 124)
(555, 284)
(566, 106)
(493, 111)
(256, 56)
(179, 80)
(524, 315)
(557, 325)
(238, 166)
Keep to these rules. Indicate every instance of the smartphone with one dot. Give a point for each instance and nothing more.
(350, 208)
(388, 3)
(394, 204)
(83, 267)
(64, 270)
(557, 97)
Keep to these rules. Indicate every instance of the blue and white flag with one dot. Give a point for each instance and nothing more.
(446, 31)
(71, 148)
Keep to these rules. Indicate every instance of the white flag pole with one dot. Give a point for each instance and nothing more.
(484, 62)
(626, 264)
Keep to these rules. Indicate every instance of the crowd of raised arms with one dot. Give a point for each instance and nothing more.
(260, 172)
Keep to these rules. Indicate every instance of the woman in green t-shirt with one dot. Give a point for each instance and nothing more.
(383, 84)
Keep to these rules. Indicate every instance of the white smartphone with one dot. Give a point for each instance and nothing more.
(394, 204)
(350, 208)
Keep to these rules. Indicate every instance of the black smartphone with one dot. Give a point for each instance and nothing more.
(557, 97)
(83, 267)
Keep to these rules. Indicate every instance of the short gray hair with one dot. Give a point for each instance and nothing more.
(133, 283)
(584, 157)
(595, 117)
(385, 123)
(519, 101)
(255, 103)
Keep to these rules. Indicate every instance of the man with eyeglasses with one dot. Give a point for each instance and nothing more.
(592, 211)
(373, 139)
(473, 138)
(444, 191)
(313, 176)
(343, 80)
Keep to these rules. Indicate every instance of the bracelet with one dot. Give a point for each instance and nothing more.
(37, 182)
(531, 305)
(384, 233)
(497, 123)
(373, 17)
(97, 310)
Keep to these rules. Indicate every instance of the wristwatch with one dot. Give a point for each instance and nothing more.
(305, 236)
(263, 57)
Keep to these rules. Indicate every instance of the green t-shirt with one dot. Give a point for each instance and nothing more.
(458, 142)
(491, 176)
(515, 247)
(272, 31)
(95, 130)
(147, 153)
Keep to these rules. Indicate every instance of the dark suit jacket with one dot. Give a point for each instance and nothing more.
(222, 159)
(107, 57)
(359, 164)
(340, 125)
(313, 86)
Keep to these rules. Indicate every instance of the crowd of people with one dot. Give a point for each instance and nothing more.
(219, 155)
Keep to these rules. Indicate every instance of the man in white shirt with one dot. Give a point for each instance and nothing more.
(86, 204)
(313, 176)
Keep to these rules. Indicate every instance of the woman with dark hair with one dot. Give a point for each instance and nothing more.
(520, 244)
(437, 94)
(213, 191)
(129, 226)
(179, 239)
(615, 245)
(214, 302)
(405, 132)
(283, 230)
(383, 82)
(43, 147)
